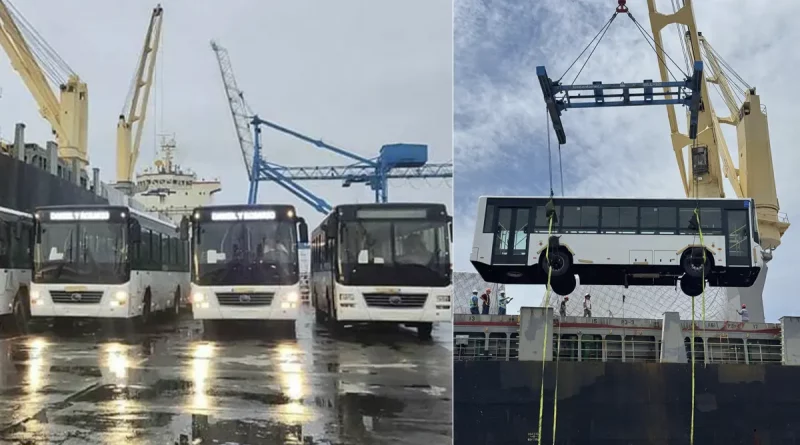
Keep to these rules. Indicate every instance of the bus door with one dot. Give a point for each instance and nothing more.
(737, 241)
(511, 235)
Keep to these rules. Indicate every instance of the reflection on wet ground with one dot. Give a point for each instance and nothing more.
(359, 387)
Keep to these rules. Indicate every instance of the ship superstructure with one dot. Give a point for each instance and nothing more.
(168, 189)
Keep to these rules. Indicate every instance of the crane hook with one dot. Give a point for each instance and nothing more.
(621, 7)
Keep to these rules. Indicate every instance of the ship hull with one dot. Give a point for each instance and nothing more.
(626, 403)
(24, 187)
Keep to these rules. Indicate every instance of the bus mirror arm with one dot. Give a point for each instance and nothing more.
(302, 228)
(183, 229)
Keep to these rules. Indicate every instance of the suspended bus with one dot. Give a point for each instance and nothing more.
(16, 264)
(106, 261)
(383, 263)
(245, 263)
(637, 242)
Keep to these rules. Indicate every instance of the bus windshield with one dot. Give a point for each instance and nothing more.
(87, 252)
(245, 253)
(395, 253)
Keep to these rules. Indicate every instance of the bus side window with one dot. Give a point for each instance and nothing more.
(541, 223)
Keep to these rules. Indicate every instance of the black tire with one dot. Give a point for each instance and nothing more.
(691, 286)
(146, 316)
(564, 285)
(176, 309)
(693, 265)
(20, 314)
(560, 261)
(424, 331)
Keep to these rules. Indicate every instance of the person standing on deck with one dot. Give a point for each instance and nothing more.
(744, 314)
(473, 303)
(502, 302)
(562, 310)
(587, 305)
(486, 299)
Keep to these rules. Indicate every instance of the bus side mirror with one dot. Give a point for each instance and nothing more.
(183, 229)
(18, 229)
(450, 226)
(303, 231)
(134, 231)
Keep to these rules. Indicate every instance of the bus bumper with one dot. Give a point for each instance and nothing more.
(91, 301)
(437, 308)
(230, 303)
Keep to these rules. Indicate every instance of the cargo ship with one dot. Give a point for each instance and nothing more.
(624, 381)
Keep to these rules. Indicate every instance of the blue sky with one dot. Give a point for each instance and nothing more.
(500, 138)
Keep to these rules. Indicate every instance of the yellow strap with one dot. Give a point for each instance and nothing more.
(703, 284)
(544, 343)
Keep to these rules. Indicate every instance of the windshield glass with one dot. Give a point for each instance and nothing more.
(88, 252)
(245, 252)
(395, 253)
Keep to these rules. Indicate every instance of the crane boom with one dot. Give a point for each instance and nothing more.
(240, 111)
(755, 177)
(128, 144)
(68, 115)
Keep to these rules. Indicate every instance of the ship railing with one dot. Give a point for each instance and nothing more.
(480, 348)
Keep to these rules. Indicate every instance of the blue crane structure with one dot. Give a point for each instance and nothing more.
(559, 97)
(394, 161)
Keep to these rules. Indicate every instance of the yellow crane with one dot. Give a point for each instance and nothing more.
(755, 176)
(128, 143)
(39, 66)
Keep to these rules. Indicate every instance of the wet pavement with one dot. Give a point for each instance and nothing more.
(362, 386)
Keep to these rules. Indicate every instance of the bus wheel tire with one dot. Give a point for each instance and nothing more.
(692, 263)
(424, 331)
(691, 286)
(20, 315)
(176, 308)
(560, 261)
(145, 317)
(564, 285)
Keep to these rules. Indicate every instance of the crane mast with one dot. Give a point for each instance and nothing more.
(68, 114)
(128, 141)
(709, 158)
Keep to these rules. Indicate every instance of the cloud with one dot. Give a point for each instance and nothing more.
(500, 128)
(355, 74)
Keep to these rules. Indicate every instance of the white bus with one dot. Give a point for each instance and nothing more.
(383, 263)
(245, 263)
(636, 242)
(16, 264)
(106, 262)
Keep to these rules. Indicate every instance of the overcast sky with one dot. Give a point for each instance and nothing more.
(500, 121)
(356, 74)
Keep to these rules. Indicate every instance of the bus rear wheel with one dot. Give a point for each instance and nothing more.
(560, 262)
(564, 285)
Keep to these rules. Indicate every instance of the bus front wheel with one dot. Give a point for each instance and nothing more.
(559, 260)
(694, 264)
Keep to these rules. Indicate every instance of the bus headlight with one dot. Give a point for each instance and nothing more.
(198, 297)
(347, 297)
(291, 297)
(443, 298)
(36, 297)
(121, 296)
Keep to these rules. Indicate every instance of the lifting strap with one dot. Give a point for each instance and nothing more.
(703, 284)
(544, 342)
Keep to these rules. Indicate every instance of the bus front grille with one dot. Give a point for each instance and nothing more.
(255, 299)
(396, 301)
(60, 296)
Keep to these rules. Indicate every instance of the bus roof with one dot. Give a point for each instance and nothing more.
(392, 205)
(609, 198)
(244, 207)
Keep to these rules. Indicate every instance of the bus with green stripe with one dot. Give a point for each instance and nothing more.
(617, 241)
